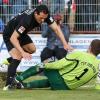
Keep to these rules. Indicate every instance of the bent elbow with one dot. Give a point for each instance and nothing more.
(13, 39)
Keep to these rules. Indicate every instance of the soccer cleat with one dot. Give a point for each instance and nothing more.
(8, 87)
(97, 86)
(18, 84)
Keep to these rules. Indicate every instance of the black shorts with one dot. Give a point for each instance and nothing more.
(23, 40)
(59, 53)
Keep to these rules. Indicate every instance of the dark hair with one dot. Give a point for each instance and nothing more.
(95, 47)
(42, 8)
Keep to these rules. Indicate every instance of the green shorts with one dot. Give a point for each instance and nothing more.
(55, 80)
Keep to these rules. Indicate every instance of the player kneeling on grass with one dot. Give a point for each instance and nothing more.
(71, 72)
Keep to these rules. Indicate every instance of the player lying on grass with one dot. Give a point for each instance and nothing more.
(73, 71)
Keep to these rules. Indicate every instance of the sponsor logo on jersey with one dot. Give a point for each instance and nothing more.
(29, 11)
(21, 29)
(51, 19)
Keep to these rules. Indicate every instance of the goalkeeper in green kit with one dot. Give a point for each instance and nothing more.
(71, 72)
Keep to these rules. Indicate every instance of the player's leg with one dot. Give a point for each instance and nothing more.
(16, 57)
(46, 54)
(12, 66)
(43, 83)
(30, 72)
(29, 47)
(55, 79)
(15, 54)
(27, 44)
(60, 53)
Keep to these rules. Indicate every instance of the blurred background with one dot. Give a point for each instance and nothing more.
(82, 16)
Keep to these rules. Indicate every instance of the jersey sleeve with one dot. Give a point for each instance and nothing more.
(49, 20)
(23, 25)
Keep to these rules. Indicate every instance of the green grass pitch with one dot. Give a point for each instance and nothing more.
(86, 92)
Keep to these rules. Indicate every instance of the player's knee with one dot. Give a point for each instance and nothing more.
(32, 50)
(17, 56)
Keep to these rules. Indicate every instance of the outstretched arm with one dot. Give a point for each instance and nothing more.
(61, 36)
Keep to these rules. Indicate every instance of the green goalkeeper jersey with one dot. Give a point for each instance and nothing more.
(76, 68)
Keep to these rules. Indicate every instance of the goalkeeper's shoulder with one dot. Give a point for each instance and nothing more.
(75, 51)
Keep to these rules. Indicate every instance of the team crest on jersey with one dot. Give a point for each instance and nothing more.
(21, 29)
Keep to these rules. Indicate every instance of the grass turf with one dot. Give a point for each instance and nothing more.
(86, 92)
(43, 94)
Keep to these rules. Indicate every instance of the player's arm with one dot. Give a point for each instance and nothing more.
(19, 30)
(14, 40)
(61, 36)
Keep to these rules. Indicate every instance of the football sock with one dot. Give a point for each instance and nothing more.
(9, 59)
(12, 70)
(29, 72)
(44, 83)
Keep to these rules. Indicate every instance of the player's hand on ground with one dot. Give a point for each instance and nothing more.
(26, 56)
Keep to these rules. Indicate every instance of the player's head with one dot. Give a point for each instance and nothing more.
(42, 8)
(95, 47)
(41, 13)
